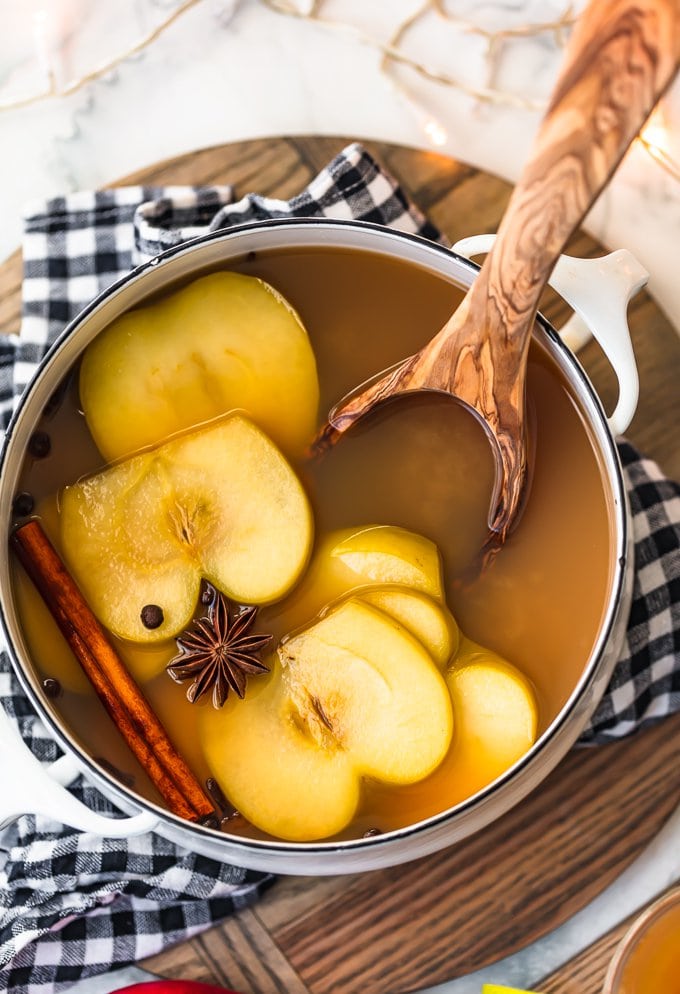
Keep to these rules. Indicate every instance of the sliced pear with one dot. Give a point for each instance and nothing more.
(429, 621)
(50, 650)
(354, 695)
(220, 503)
(353, 560)
(358, 678)
(388, 554)
(262, 754)
(495, 708)
(225, 342)
(495, 719)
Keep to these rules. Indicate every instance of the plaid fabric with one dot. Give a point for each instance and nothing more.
(646, 682)
(72, 905)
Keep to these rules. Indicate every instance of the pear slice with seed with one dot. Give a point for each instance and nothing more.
(269, 765)
(360, 678)
(220, 503)
(351, 696)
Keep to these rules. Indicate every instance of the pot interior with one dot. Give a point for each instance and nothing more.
(423, 465)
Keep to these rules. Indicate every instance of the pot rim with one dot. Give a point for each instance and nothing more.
(601, 437)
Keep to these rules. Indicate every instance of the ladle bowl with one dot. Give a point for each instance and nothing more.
(621, 57)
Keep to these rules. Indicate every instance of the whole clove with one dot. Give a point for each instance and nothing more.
(39, 445)
(152, 616)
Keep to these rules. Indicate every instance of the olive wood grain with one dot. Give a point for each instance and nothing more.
(468, 906)
(621, 57)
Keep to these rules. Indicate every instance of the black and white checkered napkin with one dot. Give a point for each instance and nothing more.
(73, 905)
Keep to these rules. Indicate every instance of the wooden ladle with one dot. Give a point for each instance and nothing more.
(621, 57)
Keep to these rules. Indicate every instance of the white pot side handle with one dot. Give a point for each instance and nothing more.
(598, 291)
(28, 787)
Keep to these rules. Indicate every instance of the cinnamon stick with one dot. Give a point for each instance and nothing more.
(115, 687)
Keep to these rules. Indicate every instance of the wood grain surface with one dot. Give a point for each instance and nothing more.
(457, 911)
(448, 914)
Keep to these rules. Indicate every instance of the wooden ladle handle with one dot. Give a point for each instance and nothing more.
(621, 57)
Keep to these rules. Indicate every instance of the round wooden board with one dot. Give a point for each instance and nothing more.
(451, 913)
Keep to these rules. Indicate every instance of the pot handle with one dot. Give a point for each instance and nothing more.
(28, 787)
(598, 291)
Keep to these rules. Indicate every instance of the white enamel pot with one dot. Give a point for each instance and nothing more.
(597, 290)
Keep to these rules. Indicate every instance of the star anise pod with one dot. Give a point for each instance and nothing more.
(218, 652)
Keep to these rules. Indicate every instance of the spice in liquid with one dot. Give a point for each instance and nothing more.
(423, 463)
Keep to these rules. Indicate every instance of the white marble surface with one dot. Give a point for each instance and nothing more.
(227, 71)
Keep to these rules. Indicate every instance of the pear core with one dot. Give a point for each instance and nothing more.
(220, 503)
(352, 696)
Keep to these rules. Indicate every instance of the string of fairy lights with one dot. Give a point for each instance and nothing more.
(393, 52)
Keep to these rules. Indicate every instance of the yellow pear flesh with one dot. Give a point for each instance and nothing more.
(220, 503)
(354, 560)
(358, 679)
(429, 621)
(225, 342)
(495, 710)
(353, 695)
(388, 554)
(262, 754)
(495, 723)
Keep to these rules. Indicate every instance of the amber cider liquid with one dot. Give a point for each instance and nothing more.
(653, 965)
(423, 463)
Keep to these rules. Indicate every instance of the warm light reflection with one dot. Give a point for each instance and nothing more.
(655, 138)
(655, 133)
(436, 132)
